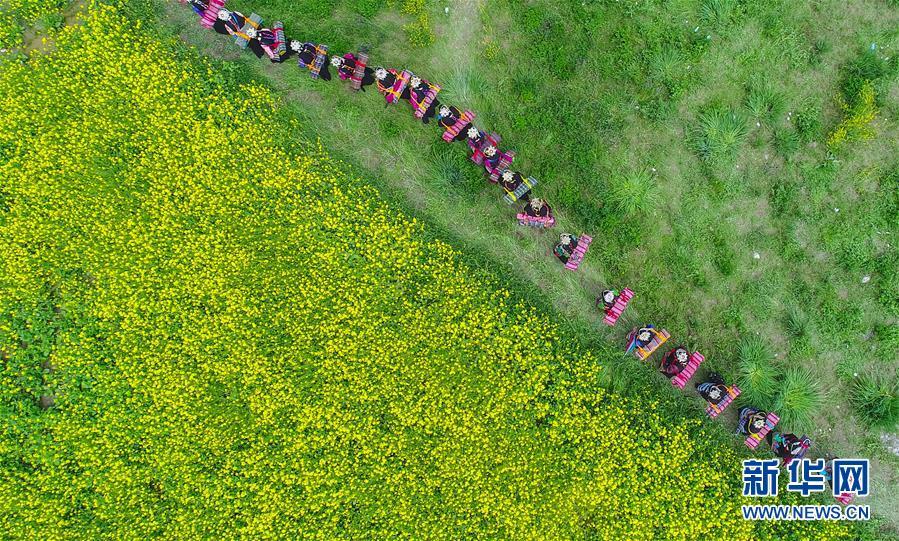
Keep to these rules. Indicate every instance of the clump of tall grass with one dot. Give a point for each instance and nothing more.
(718, 12)
(758, 375)
(719, 134)
(764, 103)
(797, 322)
(799, 400)
(876, 399)
(887, 340)
(786, 142)
(808, 122)
(634, 192)
(798, 326)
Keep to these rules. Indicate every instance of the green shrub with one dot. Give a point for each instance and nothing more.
(718, 12)
(820, 48)
(887, 341)
(868, 67)
(797, 322)
(876, 399)
(799, 399)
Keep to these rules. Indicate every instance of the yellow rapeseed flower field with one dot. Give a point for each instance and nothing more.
(243, 342)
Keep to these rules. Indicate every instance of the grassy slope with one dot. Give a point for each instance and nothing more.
(644, 78)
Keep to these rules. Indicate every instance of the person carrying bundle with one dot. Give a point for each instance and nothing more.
(517, 187)
(537, 208)
(455, 123)
(717, 393)
(271, 42)
(497, 162)
(640, 338)
(752, 421)
(511, 181)
(346, 68)
(243, 29)
(607, 298)
(199, 6)
(208, 10)
(613, 304)
(714, 390)
(312, 56)
(536, 213)
(394, 86)
(475, 138)
(675, 361)
(788, 447)
(844, 498)
(423, 98)
(565, 247)
(644, 341)
(229, 23)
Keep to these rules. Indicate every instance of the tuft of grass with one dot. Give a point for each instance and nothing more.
(887, 340)
(786, 142)
(799, 400)
(758, 375)
(719, 135)
(808, 122)
(797, 322)
(764, 103)
(634, 192)
(876, 400)
(718, 13)
(820, 48)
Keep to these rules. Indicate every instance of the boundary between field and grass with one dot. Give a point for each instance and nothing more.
(583, 332)
(577, 328)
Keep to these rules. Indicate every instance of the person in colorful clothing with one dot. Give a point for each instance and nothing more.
(565, 247)
(537, 208)
(345, 67)
(418, 91)
(674, 362)
(199, 6)
(786, 446)
(385, 79)
(607, 298)
(229, 23)
(511, 180)
(447, 116)
(640, 338)
(270, 42)
(714, 390)
(752, 420)
(306, 53)
(475, 138)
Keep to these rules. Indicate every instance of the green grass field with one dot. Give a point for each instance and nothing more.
(693, 140)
